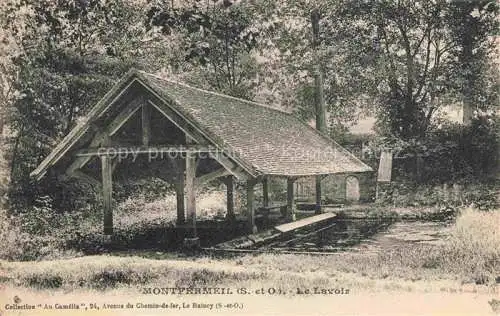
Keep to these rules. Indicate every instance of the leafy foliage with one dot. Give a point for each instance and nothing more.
(60, 74)
(218, 40)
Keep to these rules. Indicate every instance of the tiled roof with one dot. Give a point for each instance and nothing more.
(274, 142)
(265, 139)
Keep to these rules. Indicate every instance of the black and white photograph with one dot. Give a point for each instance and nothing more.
(249, 157)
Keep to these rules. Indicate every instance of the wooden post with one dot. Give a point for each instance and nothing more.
(191, 192)
(146, 124)
(290, 207)
(319, 95)
(250, 210)
(318, 209)
(230, 198)
(179, 190)
(265, 192)
(107, 191)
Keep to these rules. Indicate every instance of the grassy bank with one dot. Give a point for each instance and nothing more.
(470, 257)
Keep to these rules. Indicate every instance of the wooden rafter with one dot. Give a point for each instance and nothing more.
(230, 166)
(101, 136)
(178, 121)
(222, 172)
(111, 151)
(117, 93)
(196, 133)
(124, 116)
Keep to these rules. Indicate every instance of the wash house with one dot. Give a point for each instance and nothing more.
(203, 135)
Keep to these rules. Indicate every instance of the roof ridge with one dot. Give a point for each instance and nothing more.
(217, 93)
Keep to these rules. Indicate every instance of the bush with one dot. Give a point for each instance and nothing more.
(481, 196)
(18, 244)
(450, 153)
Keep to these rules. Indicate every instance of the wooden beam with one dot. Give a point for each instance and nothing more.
(230, 198)
(250, 206)
(102, 135)
(198, 135)
(290, 201)
(146, 124)
(317, 180)
(265, 191)
(179, 189)
(119, 92)
(178, 121)
(190, 191)
(112, 151)
(230, 166)
(124, 116)
(107, 191)
(211, 176)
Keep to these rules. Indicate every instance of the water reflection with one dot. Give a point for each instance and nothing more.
(336, 236)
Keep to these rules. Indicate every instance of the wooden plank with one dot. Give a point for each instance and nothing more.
(146, 124)
(111, 151)
(250, 207)
(290, 202)
(107, 191)
(265, 191)
(305, 222)
(230, 198)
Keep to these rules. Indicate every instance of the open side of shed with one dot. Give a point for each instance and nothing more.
(147, 115)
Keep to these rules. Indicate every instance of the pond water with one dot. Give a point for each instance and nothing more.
(365, 235)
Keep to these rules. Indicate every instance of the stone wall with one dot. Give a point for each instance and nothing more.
(334, 188)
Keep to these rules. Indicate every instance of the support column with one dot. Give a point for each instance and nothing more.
(107, 194)
(290, 203)
(191, 193)
(318, 209)
(230, 198)
(179, 190)
(265, 191)
(250, 209)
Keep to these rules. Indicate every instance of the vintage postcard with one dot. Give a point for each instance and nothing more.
(249, 157)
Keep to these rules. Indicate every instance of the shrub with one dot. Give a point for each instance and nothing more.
(448, 153)
(18, 244)
(401, 194)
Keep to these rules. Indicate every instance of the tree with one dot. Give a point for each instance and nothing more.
(414, 48)
(8, 71)
(217, 39)
(286, 48)
(475, 70)
(66, 63)
(397, 58)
